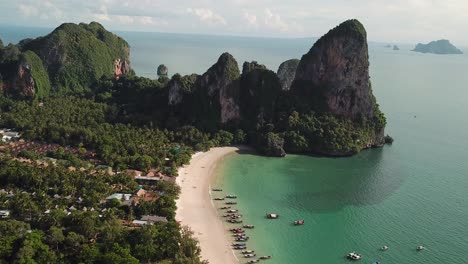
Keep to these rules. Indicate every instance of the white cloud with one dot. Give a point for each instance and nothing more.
(28, 10)
(251, 19)
(146, 20)
(274, 21)
(125, 19)
(102, 15)
(207, 15)
(396, 20)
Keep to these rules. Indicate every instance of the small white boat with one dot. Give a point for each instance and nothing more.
(353, 256)
(272, 216)
(419, 248)
(250, 255)
(253, 261)
(384, 248)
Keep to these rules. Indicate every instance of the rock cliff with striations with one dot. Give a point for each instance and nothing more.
(334, 75)
(287, 72)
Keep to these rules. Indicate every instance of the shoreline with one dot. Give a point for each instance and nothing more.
(195, 207)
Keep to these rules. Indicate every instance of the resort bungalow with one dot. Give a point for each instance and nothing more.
(133, 173)
(149, 220)
(8, 135)
(146, 196)
(4, 213)
(125, 198)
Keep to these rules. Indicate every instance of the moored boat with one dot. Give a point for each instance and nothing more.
(238, 244)
(217, 190)
(419, 248)
(384, 248)
(225, 207)
(248, 226)
(242, 239)
(234, 221)
(231, 196)
(299, 222)
(247, 251)
(265, 257)
(240, 247)
(253, 261)
(219, 198)
(230, 202)
(272, 216)
(250, 255)
(353, 256)
(232, 211)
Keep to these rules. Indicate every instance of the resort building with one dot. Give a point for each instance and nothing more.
(4, 213)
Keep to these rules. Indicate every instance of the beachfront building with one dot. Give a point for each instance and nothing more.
(125, 198)
(9, 135)
(4, 213)
(144, 196)
(149, 220)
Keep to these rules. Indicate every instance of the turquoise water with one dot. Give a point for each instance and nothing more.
(411, 193)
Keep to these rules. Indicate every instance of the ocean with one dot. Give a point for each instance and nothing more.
(411, 193)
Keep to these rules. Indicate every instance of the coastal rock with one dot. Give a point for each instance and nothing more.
(121, 67)
(334, 75)
(162, 71)
(273, 145)
(287, 72)
(222, 88)
(260, 89)
(442, 46)
(179, 86)
(24, 83)
(175, 92)
(248, 67)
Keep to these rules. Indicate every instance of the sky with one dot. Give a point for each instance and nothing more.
(400, 21)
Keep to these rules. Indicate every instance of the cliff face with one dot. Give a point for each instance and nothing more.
(220, 85)
(334, 75)
(287, 72)
(24, 82)
(121, 67)
(260, 88)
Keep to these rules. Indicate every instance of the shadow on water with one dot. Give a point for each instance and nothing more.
(328, 185)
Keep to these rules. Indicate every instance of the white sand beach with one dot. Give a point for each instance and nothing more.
(195, 207)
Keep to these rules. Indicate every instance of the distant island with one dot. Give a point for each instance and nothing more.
(442, 46)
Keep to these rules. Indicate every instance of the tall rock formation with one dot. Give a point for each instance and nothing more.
(333, 78)
(287, 72)
(220, 83)
(334, 75)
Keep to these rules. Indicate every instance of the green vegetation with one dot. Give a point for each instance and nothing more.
(58, 218)
(38, 72)
(86, 53)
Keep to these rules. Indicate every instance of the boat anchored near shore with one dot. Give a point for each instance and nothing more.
(272, 216)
